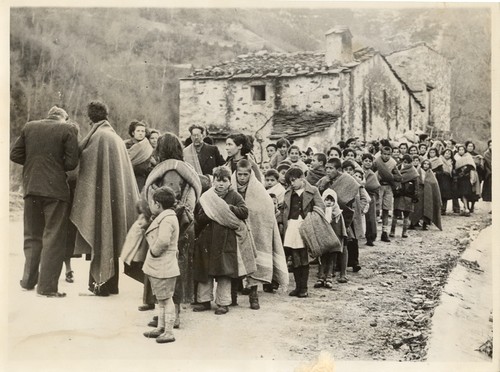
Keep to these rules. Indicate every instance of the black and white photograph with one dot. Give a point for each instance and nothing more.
(238, 186)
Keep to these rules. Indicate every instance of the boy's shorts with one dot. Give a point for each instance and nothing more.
(386, 197)
(164, 288)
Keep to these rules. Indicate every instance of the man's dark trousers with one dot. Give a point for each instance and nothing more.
(45, 225)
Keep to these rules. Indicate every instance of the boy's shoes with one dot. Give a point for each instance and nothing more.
(165, 338)
(391, 234)
(202, 306)
(26, 288)
(294, 293)
(328, 284)
(319, 283)
(154, 333)
(356, 268)
(369, 243)
(385, 238)
(342, 279)
(404, 236)
(221, 310)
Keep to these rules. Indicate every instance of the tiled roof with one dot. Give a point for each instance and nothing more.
(265, 64)
(300, 124)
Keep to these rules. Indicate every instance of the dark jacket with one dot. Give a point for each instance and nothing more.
(310, 198)
(216, 244)
(47, 149)
(209, 158)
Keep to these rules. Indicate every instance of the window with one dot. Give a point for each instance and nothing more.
(258, 92)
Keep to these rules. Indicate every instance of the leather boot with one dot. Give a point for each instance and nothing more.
(384, 237)
(254, 299)
(177, 321)
(296, 275)
(304, 276)
(168, 334)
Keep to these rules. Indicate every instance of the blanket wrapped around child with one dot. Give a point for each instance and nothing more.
(430, 205)
(271, 261)
(218, 210)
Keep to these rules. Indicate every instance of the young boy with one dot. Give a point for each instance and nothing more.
(161, 264)
(316, 168)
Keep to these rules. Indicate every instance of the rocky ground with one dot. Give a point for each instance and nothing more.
(384, 312)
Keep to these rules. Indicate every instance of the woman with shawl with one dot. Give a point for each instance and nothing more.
(465, 172)
(486, 193)
(476, 186)
(172, 171)
(445, 179)
(428, 206)
(140, 151)
(295, 160)
(238, 146)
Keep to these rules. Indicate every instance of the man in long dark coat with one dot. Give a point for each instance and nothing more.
(47, 149)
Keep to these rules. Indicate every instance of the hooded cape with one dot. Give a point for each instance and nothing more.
(430, 205)
(105, 197)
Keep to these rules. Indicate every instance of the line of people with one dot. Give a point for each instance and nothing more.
(181, 217)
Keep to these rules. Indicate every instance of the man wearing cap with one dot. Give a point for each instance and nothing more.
(47, 149)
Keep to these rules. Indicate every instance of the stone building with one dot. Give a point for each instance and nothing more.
(317, 99)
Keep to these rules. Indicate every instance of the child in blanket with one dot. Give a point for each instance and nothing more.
(333, 214)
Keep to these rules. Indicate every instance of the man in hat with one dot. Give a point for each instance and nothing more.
(47, 149)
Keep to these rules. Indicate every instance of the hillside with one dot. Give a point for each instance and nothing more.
(133, 58)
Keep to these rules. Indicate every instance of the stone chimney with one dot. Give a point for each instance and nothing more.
(338, 45)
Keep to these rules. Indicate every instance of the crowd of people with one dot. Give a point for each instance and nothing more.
(182, 217)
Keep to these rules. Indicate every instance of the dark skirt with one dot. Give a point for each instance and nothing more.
(464, 187)
(445, 182)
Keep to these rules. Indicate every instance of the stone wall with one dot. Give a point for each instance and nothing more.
(423, 66)
(381, 103)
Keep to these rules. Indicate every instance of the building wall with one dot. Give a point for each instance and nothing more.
(425, 66)
(380, 106)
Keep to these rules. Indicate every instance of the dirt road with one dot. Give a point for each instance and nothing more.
(383, 313)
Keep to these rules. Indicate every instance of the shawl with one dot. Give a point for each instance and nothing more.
(105, 198)
(447, 165)
(299, 164)
(134, 248)
(385, 168)
(279, 191)
(487, 162)
(408, 174)
(372, 184)
(314, 175)
(271, 261)
(436, 162)
(462, 161)
(191, 157)
(318, 234)
(140, 152)
(336, 211)
(431, 202)
(218, 210)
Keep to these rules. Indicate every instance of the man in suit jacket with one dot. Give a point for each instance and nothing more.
(47, 149)
(202, 156)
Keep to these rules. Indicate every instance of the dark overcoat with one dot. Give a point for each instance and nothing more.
(216, 245)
